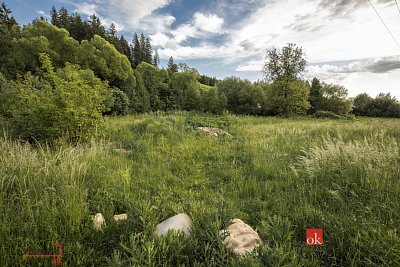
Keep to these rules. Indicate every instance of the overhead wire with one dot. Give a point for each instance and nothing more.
(397, 5)
(394, 39)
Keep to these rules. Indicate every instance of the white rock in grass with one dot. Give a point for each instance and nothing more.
(214, 131)
(180, 222)
(239, 238)
(121, 217)
(98, 221)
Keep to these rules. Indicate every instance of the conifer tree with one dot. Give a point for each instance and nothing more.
(172, 67)
(112, 31)
(54, 16)
(63, 18)
(142, 45)
(156, 59)
(148, 57)
(136, 51)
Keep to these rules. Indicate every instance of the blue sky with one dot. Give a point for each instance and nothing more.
(344, 40)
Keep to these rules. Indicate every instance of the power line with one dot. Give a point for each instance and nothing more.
(397, 6)
(394, 39)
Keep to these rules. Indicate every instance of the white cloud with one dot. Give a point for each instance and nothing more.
(252, 65)
(201, 26)
(129, 14)
(154, 24)
(86, 8)
(323, 37)
(209, 23)
(188, 52)
(159, 39)
(373, 65)
(362, 76)
(42, 13)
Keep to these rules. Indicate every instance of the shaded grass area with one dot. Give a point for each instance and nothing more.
(280, 176)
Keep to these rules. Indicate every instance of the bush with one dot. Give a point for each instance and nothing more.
(212, 102)
(220, 121)
(120, 104)
(67, 102)
(326, 114)
(6, 96)
(287, 97)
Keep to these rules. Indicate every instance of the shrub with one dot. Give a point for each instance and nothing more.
(287, 97)
(220, 121)
(120, 104)
(326, 114)
(5, 96)
(69, 101)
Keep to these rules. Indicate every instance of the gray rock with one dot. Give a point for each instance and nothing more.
(180, 222)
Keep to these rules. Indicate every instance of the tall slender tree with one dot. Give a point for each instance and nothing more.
(125, 49)
(172, 67)
(156, 59)
(54, 16)
(136, 51)
(148, 52)
(142, 45)
(315, 94)
(112, 31)
(63, 18)
(96, 27)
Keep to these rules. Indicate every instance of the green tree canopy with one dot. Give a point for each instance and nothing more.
(69, 101)
(242, 96)
(315, 94)
(329, 97)
(172, 67)
(185, 88)
(362, 104)
(288, 97)
(107, 63)
(154, 82)
(289, 63)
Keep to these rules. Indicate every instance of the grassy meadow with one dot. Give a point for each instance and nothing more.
(279, 175)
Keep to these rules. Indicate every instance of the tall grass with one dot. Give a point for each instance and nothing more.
(279, 175)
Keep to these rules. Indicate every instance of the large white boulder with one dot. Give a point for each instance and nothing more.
(239, 238)
(180, 223)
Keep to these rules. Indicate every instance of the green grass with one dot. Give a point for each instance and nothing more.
(279, 175)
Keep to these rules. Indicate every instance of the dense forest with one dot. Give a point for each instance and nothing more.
(65, 75)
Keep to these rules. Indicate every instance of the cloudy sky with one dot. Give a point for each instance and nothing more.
(345, 41)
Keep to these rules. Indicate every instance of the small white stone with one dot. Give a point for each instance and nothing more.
(180, 222)
(98, 221)
(121, 217)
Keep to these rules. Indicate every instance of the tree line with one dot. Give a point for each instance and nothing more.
(64, 76)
